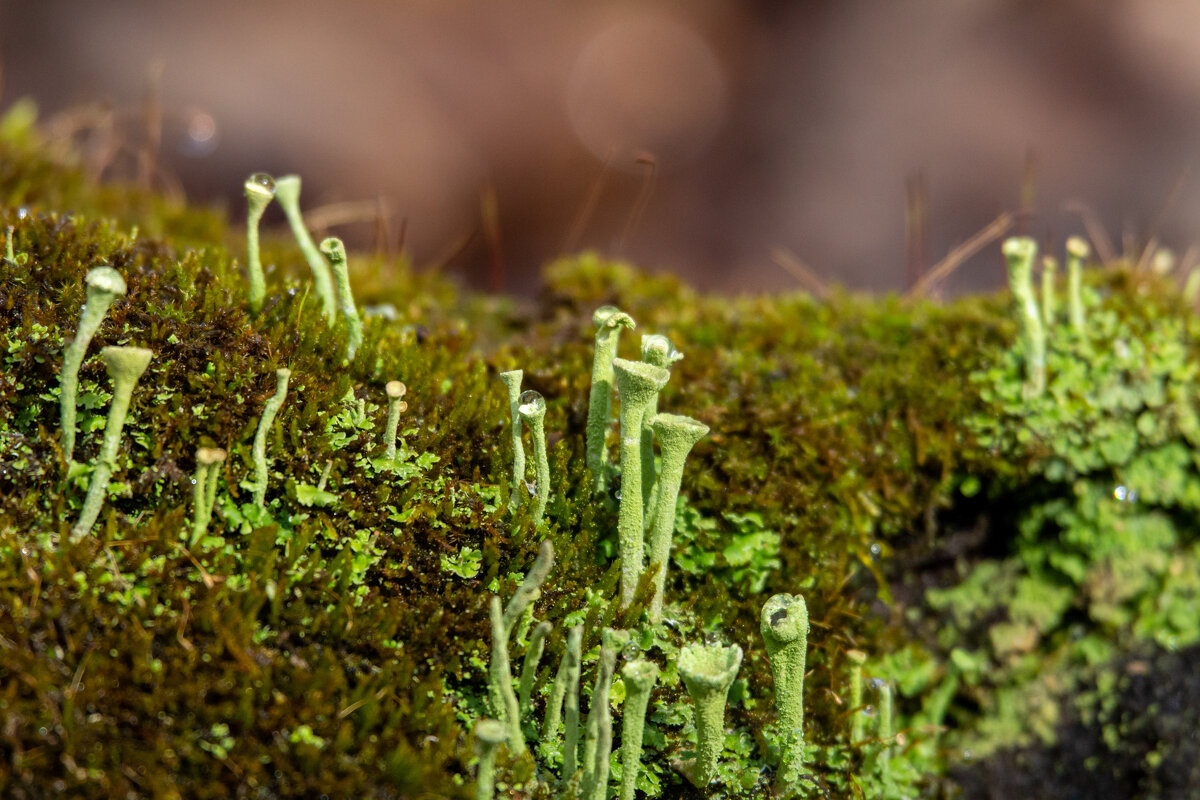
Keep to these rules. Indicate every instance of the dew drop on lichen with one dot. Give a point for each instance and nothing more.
(262, 180)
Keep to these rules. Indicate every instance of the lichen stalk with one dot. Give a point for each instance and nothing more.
(637, 383)
(564, 680)
(1049, 300)
(533, 657)
(784, 627)
(1077, 252)
(1020, 252)
(608, 321)
(287, 193)
(125, 366)
(512, 382)
(639, 679)
(532, 408)
(489, 735)
(260, 189)
(259, 451)
(856, 658)
(886, 731)
(659, 351)
(335, 251)
(104, 285)
(707, 672)
(677, 435)
(208, 462)
(396, 406)
(597, 744)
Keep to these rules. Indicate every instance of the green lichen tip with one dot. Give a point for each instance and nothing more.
(856, 657)
(639, 675)
(105, 280)
(127, 362)
(658, 350)
(784, 619)
(668, 427)
(490, 733)
(611, 317)
(707, 668)
(334, 249)
(1078, 247)
(638, 377)
(287, 190)
(1019, 251)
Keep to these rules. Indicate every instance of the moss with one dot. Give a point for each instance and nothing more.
(321, 645)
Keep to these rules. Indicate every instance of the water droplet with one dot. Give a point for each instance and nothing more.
(876, 549)
(42, 731)
(263, 180)
(876, 683)
(968, 755)
(193, 481)
(531, 403)
(22, 212)
(617, 494)
(1120, 493)
(531, 486)
(868, 711)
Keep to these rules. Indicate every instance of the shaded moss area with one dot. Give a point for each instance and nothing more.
(335, 641)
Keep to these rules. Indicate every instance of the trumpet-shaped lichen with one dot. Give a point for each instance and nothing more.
(512, 382)
(532, 408)
(287, 193)
(335, 251)
(608, 321)
(260, 188)
(784, 627)
(639, 677)
(104, 285)
(708, 672)
(677, 435)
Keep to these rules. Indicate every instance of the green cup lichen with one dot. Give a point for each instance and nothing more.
(335, 251)
(784, 627)
(677, 435)
(597, 744)
(659, 351)
(639, 677)
(609, 321)
(532, 408)
(1077, 251)
(489, 735)
(125, 366)
(856, 658)
(104, 285)
(259, 451)
(1020, 252)
(396, 406)
(533, 657)
(260, 189)
(707, 672)
(287, 193)
(512, 382)
(1049, 300)
(565, 691)
(637, 383)
(208, 462)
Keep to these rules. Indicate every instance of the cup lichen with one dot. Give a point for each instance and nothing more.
(1020, 252)
(260, 189)
(639, 677)
(287, 194)
(532, 408)
(489, 735)
(259, 450)
(396, 406)
(708, 670)
(609, 320)
(104, 285)
(784, 627)
(335, 251)
(208, 461)
(512, 382)
(677, 435)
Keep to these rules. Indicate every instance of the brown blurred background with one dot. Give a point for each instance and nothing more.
(710, 138)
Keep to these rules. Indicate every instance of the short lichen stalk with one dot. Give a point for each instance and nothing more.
(489, 735)
(608, 321)
(708, 672)
(104, 285)
(856, 658)
(677, 435)
(260, 189)
(532, 408)
(204, 492)
(639, 682)
(335, 251)
(657, 350)
(597, 744)
(259, 451)
(287, 193)
(784, 628)
(512, 382)
(533, 657)
(1077, 252)
(396, 406)
(564, 691)
(1049, 299)
(638, 383)
(125, 366)
(500, 683)
(1020, 253)
(886, 730)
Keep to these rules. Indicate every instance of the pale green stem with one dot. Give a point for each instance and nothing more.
(566, 680)
(335, 251)
(1020, 253)
(1191, 287)
(637, 383)
(512, 382)
(597, 744)
(677, 435)
(885, 724)
(708, 672)
(657, 350)
(259, 451)
(125, 366)
(532, 408)
(531, 587)
(208, 463)
(260, 188)
(287, 193)
(8, 246)
(504, 700)
(856, 658)
(608, 321)
(533, 656)
(104, 285)
(784, 628)
(1077, 251)
(396, 406)
(489, 735)
(639, 681)
(1049, 301)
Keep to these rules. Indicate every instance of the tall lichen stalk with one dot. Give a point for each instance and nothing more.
(608, 321)
(259, 451)
(104, 285)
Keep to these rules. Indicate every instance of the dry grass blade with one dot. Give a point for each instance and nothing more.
(793, 266)
(958, 256)
(1095, 230)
